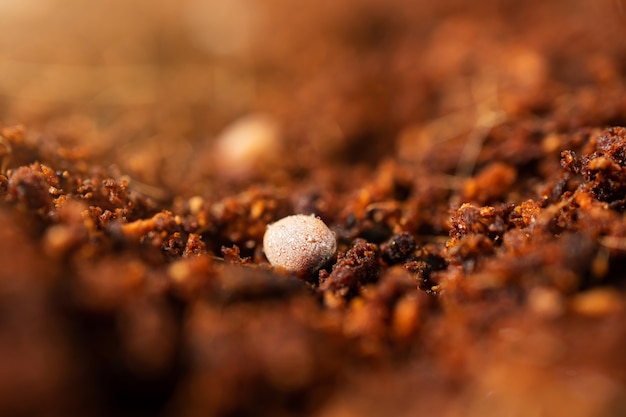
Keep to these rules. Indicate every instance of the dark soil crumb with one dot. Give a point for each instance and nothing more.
(398, 248)
(469, 157)
(356, 267)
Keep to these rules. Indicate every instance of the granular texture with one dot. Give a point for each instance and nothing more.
(469, 158)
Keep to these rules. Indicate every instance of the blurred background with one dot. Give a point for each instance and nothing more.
(152, 85)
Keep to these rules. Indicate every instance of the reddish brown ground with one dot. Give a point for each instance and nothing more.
(471, 159)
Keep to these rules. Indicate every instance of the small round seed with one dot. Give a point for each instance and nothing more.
(299, 243)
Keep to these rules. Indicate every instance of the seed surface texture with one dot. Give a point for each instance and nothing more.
(299, 243)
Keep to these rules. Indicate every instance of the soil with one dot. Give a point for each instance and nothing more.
(469, 157)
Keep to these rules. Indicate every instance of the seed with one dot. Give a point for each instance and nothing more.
(248, 145)
(299, 243)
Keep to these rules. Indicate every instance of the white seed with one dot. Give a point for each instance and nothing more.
(299, 243)
(249, 144)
